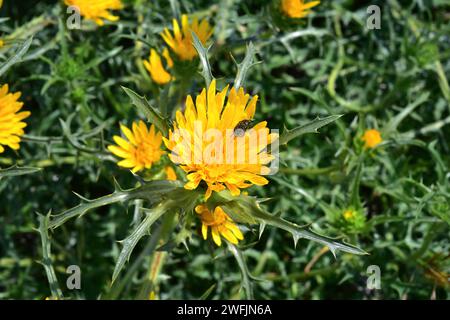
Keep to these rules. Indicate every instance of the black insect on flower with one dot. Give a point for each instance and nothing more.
(241, 127)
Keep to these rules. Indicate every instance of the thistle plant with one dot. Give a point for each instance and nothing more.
(214, 178)
(223, 150)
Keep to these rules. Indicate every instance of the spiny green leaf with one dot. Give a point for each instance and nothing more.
(244, 66)
(16, 57)
(153, 115)
(141, 230)
(47, 261)
(152, 191)
(246, 276)
(17, 171)
(250, 204)
(299, 232)
(203, 54)
(310, 127)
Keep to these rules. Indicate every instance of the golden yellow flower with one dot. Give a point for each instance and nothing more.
(181, 40)
(349, 214)
(170, 173)
(372, 138)
(11, 124)
(155, 66)
(97, 10)
(220, 223)
(2, 43)
(297, 8)
(142, 149)
(206, 145)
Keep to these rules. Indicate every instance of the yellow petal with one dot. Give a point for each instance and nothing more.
(235, 229)
(204, 231)
(122, 143)
(227, 234)
(119, 151)
(216, 236)
(127, 163)
(127, 132)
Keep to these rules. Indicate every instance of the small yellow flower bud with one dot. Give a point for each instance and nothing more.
(372, 138)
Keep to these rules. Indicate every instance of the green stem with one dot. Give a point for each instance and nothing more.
(47, 260)
(158, 257)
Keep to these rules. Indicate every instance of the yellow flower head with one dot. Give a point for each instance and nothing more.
(152, 295)
(207, 146)
(371, 138)
(170, 173)
(142, 149)
(220, 223)
(297, 8)
(348, 214)
(11, 124)
(181, 40)
(155, 66)
(97, 10)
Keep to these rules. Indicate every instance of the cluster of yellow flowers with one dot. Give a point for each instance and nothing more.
(180, 41)
(221, 111)
(212, 110)
(180, 44)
